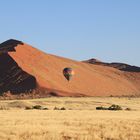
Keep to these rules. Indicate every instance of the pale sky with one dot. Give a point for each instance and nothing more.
(108, 30)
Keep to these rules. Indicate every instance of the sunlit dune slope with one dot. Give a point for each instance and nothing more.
(89, 79)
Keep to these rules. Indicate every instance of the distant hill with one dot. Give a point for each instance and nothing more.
(24, 68)
(120, 66)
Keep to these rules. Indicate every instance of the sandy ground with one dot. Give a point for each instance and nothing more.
(80, 120)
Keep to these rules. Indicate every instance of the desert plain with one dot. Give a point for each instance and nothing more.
(78, 121)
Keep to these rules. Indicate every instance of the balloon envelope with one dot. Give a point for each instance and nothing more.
(68, 73)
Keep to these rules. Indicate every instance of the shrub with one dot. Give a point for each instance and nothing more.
(128, 109)
(53, 94)
(112, 107)
(28, 108)
(101, 108)
(45, 108)
(3, 108)
(37, 107)
(63, 108)
(7, 94)
(56, 108)
(115, 107)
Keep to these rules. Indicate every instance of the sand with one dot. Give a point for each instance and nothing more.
(89, 79)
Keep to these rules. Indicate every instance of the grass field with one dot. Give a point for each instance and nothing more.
(80, 120)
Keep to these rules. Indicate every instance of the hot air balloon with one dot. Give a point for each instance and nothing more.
(68, 73)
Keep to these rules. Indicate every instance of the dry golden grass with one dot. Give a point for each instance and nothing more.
(79, 122)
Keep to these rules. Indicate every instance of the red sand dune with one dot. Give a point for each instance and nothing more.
(89, 79)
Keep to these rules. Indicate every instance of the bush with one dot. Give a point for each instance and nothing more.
(101, 108)
(45, 108)
(63, 108)
(37, 107)
(56, 108)
(115, 107)
(112, 107)
(27, 108)
(128, 109)
(3, 108)
(53, 94)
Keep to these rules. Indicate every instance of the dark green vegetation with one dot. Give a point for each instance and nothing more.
(112, 107)
(39, 107)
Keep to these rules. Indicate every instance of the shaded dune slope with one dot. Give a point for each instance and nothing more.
(12, 77)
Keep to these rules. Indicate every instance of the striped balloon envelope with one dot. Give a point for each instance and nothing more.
(68, 73)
